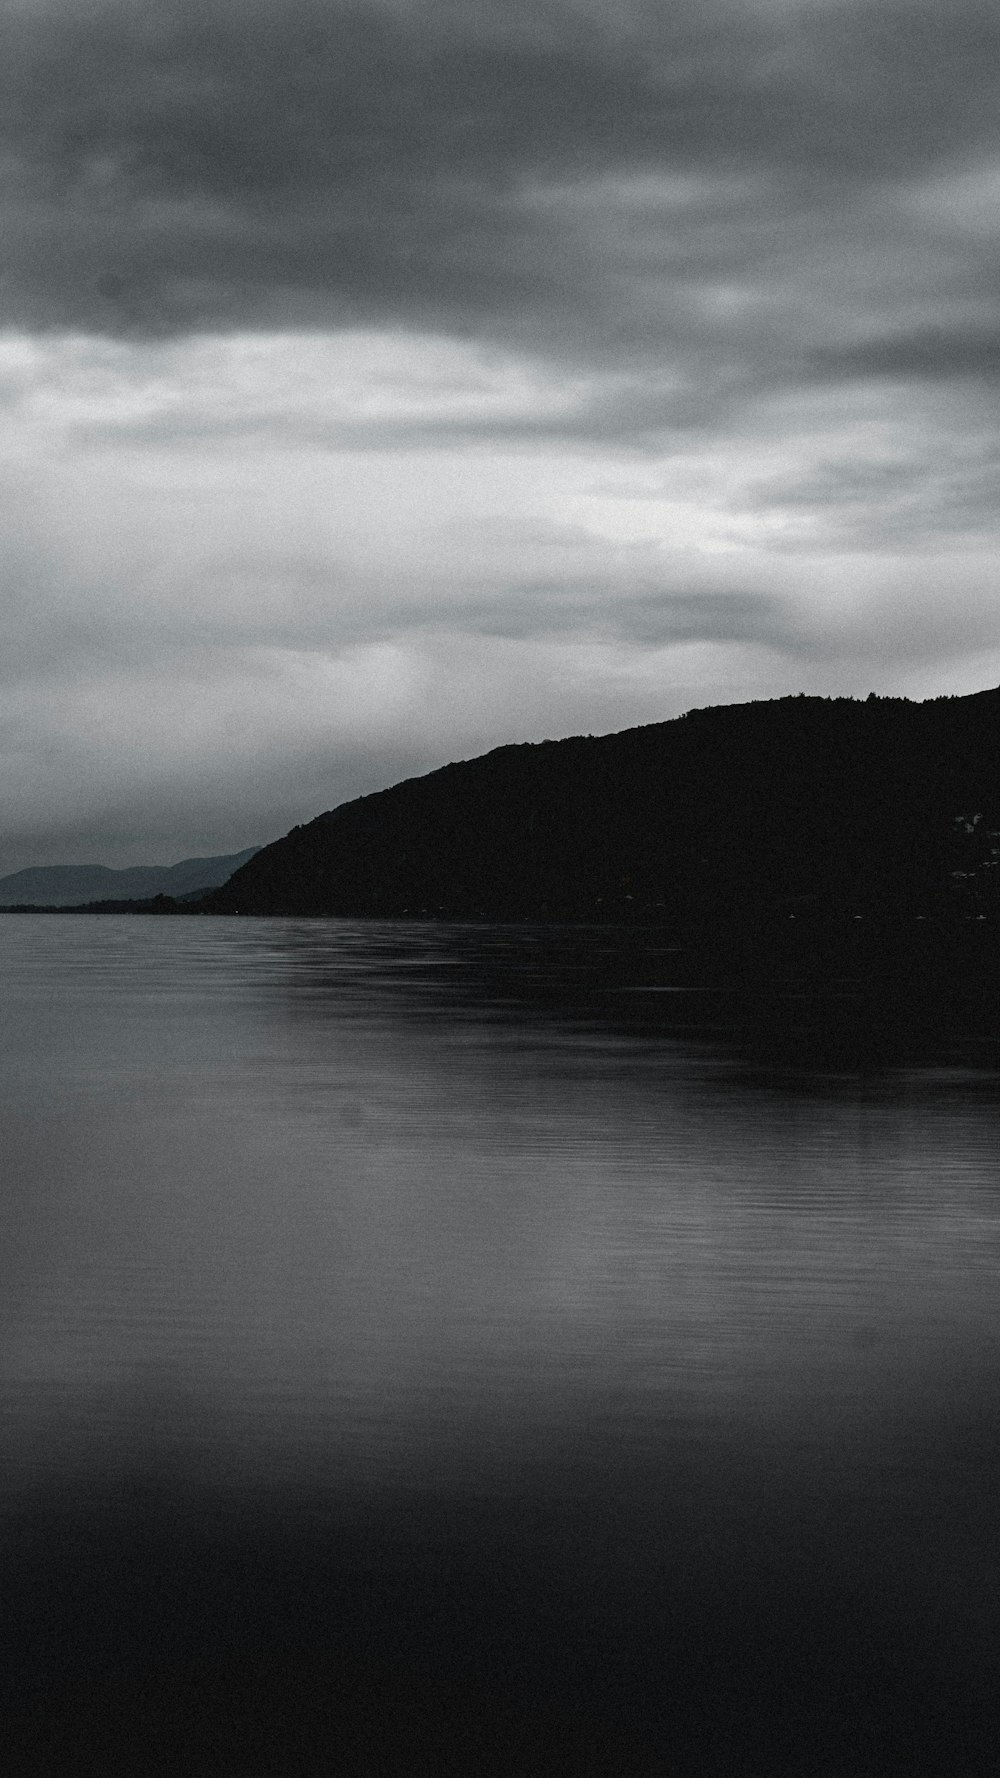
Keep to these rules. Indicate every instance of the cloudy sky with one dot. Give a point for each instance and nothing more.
(383, 381)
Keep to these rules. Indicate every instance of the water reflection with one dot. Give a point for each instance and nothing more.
(362, 1215)
(309, 1171)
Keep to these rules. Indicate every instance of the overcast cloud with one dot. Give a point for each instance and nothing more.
(381, 382)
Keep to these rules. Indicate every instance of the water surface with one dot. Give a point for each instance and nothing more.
(411, 1362)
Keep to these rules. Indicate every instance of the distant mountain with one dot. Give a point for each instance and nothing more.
(798, 806)
(67, 885)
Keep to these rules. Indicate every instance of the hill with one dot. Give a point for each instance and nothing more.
(726, 817)
(67, 885)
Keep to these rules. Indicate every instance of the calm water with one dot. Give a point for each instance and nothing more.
(410, 1364)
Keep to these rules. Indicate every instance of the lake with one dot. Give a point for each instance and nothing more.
(426, 1349)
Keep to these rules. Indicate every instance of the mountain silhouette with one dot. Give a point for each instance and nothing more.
(67, 885)
(804, 807)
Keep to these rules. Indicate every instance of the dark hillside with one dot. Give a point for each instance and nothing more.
(725, 816)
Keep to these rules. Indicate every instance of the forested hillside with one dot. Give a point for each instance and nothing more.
(799, 805)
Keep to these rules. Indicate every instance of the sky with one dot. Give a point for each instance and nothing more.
(382, 382)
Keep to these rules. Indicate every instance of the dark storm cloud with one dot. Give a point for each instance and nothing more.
(213, 165)
(937, 353)
(647, 617)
